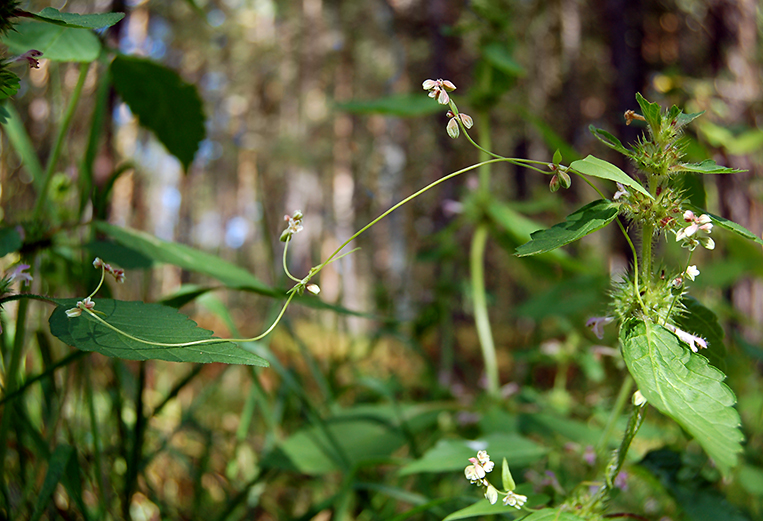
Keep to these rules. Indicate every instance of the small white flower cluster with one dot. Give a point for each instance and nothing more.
(295, 225)
(697, 232)
(119, 274)
(438, 89)
(476, 472)
(77, 310)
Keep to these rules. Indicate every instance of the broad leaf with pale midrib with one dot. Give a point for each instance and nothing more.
(596, 167)
(586, 220)
(682, 385)
(149, 322)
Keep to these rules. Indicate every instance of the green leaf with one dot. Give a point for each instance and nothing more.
(184, 256)
(331, 446)
(684, 119)
(596, 167)
(57, 43)
(10, 240)
(552, 514)
(84, 21)
(726, 224)
(404, 106)
(9, 84)
(557, 157)
(453, 455)
(497, 55)
(609, 140)
(5, 116)
(150, 322)
(707, 166)
(651, 112)
(506, 477)
(682, 385)
(586, 220)
(119, 255)
(702, 322)
(57, 466)
(484, 508)
(163, 102)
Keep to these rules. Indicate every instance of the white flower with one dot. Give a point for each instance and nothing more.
(82, 304)
(18, 273)
(479, 467)
(700, 227)
(438, 89)
(597, 325)
(638, 399)
(621, 191)
(692, 272)
(491, 494)
(692, 340)
(313, 288)
(514, 500)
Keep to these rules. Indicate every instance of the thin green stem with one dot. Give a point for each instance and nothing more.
(285, 268)
(647, 236)
(622, 398)
(635, 264)
(481, 319)
(42, 197)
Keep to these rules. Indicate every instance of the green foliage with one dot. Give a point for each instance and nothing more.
(683, 386)
(584, 221)
(56, 42)
(596, 167)
(163, 102)
(10, 240)
(707, 166)
(9, 85)
(728, 225)
(82, 21)
(152, 323)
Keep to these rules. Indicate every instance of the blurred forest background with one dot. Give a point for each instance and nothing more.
(317, 105)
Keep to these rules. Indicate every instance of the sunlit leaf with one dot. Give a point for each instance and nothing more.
(153, 323)
(586, 220)
(596, 167)
(682, 385)
(651, 112)
(609, 140)
(163, 103)
(56, 42)
(84, 21)
(705, 167)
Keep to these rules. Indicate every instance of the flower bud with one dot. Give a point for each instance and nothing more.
(554, 184)
(564, 179)
(313, 288)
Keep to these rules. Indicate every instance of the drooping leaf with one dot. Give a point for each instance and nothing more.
(10, 240)
(702, 322)
(152, 323)
(9, 84)
(726, 224)
(163, 103)
(682, 385)
(584, 221)
(404, 106)
(651, 112)
(185, 257)
(83, 21)
(609, 140)
(453, 455)
(56, 42)
(707, 166)
(596, 167)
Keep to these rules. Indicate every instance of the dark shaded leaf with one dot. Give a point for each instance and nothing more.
(163, 102)
(10, 240)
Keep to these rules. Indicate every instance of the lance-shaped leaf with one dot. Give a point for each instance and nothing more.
(682, 385)
(152, 323)
(726, 224)
(651, 112)
(163, 103)
(586, 220)
(609, 140)
(56, 42)
(707, 166)
(596, 167)
(83, 21)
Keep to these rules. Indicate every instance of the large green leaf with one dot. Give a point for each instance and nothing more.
(586, 220)
(727, 224)
(405, 105)
(56, 42)
(183, 256)
(596, 167)
(682, 385)
(707, 166)
(163, 103)
(148, 322)
(83, 21)
(453, 455)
